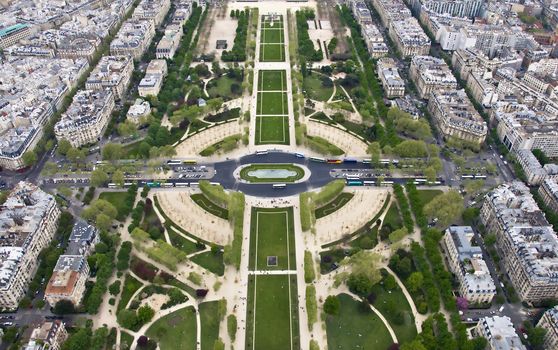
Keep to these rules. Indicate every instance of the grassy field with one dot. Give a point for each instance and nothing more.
(314, 89)
(209, 316)
(118, 199)
(131, 285)
(207, 205)
(427, 195)
(272, 52)
(126, 338)
(272, 321)
(272, 103)
(272, 130)
(221, 87)
(334, 205)
(393, 218)
(245, 172)
(272, 234)
(395, 308)
(272, 80)
(272, 36)
(355, 328)
(186, 245)
(272, 47)
(267, 23)
(212, 261)
(176, 330)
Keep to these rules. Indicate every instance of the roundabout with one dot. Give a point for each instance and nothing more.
(272, 173)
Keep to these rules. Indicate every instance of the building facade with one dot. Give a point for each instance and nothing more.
(500, 333)
(431, 74)
(68, 280)
(549, 321)
(409, 38)
(47, 336)
(112, 72)
(393, 84)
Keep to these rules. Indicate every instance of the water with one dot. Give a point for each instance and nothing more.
(272, 173)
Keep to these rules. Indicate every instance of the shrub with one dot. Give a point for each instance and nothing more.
(311, 306)
(309, 272)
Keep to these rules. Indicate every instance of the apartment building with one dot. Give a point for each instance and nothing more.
(409, 38)
(68, 280)
(133, 38)
(49, 335)
(455, 116)
(526, 242)
(13, 34)
(361, 12)
(455, 8)
(431, 74)
(500, 333)
(374, 41)
(153, 10)
(86, 118)
(138, 111)
(28, 221)
(474, 61)
(83, 239)
(183, 10)
(466, 263)
(152, 82)
(391, 10)
(393, 84)
(534, 171)
(482, 90)
(549, 193)
(521, 127)
(169, 42)
(549, 321)
(112, 72)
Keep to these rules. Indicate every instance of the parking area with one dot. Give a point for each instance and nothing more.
(198, 172)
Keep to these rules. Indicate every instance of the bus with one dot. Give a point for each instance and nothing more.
(369, 183)
(127, 184)
(190, 161)
(421, 181)
(352, 177)
(153, 184)
(480, 176)
(386, 183)
(214, 183)
(100, 162)
(385, 161)
(316, 159)
(366, 161)
(279, 186)
(261, 153)
(194, 184)
(167, 184)
(334, 161)
(112, 185)
(349, 160)
(467, 176)
(355, 183)
(299, 155)
(181, 184)
(174, 162)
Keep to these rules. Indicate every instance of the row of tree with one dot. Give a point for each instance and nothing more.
(238, 51)
(305, 44)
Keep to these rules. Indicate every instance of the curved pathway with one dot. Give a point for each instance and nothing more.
(419, 318)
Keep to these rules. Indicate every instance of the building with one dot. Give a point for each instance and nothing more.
(47, 336)
(393, 84)
(152, 10)
(549, 321)
(500, 333)
(391, 10)
(152, 82)
(526, 242)
(534, 171)
(13, 34)
(482, 90)
(455, 8)
(409, 38)
(83, 239)
(374, 41)
(68, 280)
(455, 116)
(169, 42)
(28, 221)
(133, 38)
(86, 118)
(474, 61)
(431, 74)
(157, 67)
(139, 111)
(466, 262)
(549, 193)
(112, 72)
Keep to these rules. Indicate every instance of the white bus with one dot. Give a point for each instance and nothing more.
(467, 176)
(194, 184)
(369, 183)
(261, 153)
(167, 184)
(366, 161)
(299, 155)
(352, 177)
(112, 185)
(386, 183)
(181, 184)
(279, 186)
(174, 162)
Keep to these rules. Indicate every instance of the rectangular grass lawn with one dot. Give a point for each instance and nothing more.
(272, 52)
(266, 23)
(272, 319)
(272, 36)
(272, 80)
(272, 234)
(176, 330)
(272, 103)
(272, 130)
(118, 199)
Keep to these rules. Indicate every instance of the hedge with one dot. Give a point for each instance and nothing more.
(311, 306)
(310, 200)
(166, 254)
(309, 272)
(214, 193)
(404, 207)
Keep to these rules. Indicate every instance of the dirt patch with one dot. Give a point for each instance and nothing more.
(223, 29)
(327, 12)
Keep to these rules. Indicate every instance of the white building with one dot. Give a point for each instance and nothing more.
(549, 321)
(154, 10)
(534, 171)
(138, 111)
(47, 336)
(28, 221)
(112, 72)
(549, 193)
(151, 84)
(169, 42)
(500, 333)
(393, 84)
(409, 38)
(133, 38)
(68, 280)
(431, 74)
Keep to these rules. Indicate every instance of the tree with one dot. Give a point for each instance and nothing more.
(332, 305)
(99, 206)
(112, 151)
(490, 239)
(470, 215)
(447, 207)
(536, 337)
(430, 174)
(472, 187)
(145, 314)
(414, 282)
(63, 147)
(127, 318)
(398, 235)
(359, 284)
(103, 221)
(390, 283)
(98, 177)
(411, 149)
(127, 128)
(29, 158)
(75, 155)
(414, 345)
(114, 288)
(63, 307)
(374, 149)
(118, 178)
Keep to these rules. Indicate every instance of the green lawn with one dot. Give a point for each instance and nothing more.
(176, 331)
(266, 23)
(131, 285)
(272, 80)
(186, 245)
(245, 173)
(334, 205)
(209, 316)
(272, 234)
(427, 195)
(272, 52)
(272, 322)
(212, 261)
(355, 328)
(314, 89)
(272, 103)
(272, 36)
(118, 199)
(272, 130)
(393, 218)
(126, 338)
(395, 308)
(201, 200)
(221, 87)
